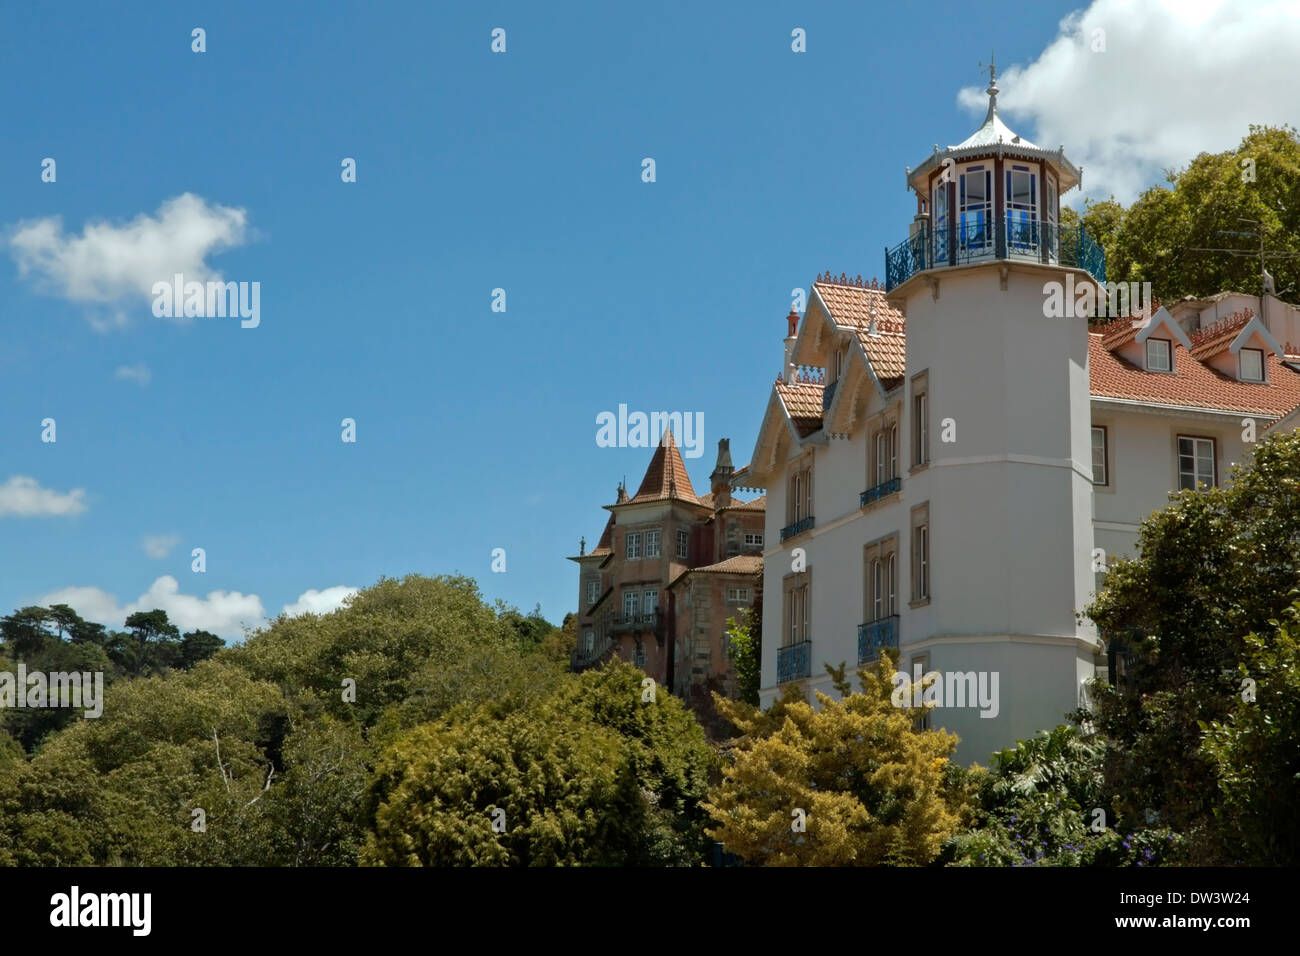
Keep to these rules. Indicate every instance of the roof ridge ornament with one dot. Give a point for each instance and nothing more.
(992, 90)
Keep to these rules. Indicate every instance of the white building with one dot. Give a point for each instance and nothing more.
(942, 454)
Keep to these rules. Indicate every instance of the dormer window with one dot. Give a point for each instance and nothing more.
(1252, 365)
(1159, 358)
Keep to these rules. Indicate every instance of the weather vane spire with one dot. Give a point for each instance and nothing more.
(992, 91)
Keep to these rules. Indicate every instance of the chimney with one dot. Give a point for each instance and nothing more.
(720, 480)
(787, 373)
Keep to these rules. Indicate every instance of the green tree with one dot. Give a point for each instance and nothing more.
(867, 786)
(1214, 567)
(197, 646)
(600, 773)
(1044, 803)
(746, 654)
(1201, 208)
(1255, 751)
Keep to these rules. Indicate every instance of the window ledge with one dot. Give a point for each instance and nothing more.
(916, 469)
(922, 602)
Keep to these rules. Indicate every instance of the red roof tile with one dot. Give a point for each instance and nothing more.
(1213, 339)
(887, 352)
(666, 476)
(803, 404)
(851, 305)
(1192, 384)
(740, 564)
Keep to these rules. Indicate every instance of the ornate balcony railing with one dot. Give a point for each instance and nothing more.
(875, 636)
(881, 490)
(1028, 240)
(799, 527)
(828, 392)
(631, 623)
(793, 661)
(583, 658)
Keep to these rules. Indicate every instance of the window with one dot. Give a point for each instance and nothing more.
(633, 545)
(737, 595)
(650, 602)
(886, 451)
(920, 420)
(589, 642)
(921, 553)
(891, 569)
(753, 539)
(631, 603)
(800, 504)
(1050, 216)
(1195, 462)
(638, 656)
(593, 591)
(940, 208)
(1022, 208)
(652, 544)
(882, 579)
(1158, 356)
(878, 590)
(975, 206)
(683, 544)
(797, 611)
(1099, 475)
(1252, 365)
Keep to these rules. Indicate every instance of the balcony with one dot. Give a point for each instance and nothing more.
(651, 621)
(876, 636)
(799, 527)
(881, 490)
(793, 662)
(1025, 240)
(582, 658)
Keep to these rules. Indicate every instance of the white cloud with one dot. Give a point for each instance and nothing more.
(319, 602)
(138, 373)
(221, 612)
(1177, 78)
(23, 496)
(159, 545)
(111, 263)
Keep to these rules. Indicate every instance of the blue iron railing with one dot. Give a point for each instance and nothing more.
(799, 527)
(875, 636)
(882, 489)
(1012, 237)
(793, 661)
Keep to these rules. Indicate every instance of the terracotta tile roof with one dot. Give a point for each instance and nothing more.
(850, 301)
(740, 564)
(666, 476)
(1116, 332)
(758, 504)
(886, 351)
(1213, 339)
(606, 543)
(803, 404)
(1192, 384)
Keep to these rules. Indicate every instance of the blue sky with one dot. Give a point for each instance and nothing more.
(522, 171)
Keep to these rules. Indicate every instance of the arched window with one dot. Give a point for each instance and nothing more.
(877, 590)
